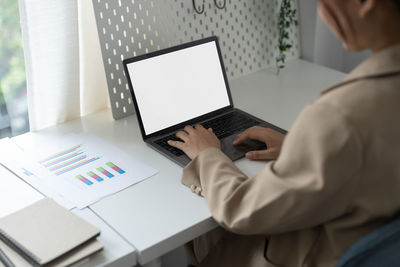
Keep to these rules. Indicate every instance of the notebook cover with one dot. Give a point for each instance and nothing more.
(13, 256)
(44, 231)
(77, 254)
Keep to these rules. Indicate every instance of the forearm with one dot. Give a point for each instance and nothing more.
(230, 194)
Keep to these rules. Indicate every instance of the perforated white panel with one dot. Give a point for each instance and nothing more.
(246, 29)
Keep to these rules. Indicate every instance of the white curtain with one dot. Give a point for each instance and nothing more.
(64, 67)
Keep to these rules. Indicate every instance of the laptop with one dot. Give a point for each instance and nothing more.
(187, 85)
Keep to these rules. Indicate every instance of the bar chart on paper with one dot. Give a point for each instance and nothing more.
(68, 160)
(85, 169)
(73, 159)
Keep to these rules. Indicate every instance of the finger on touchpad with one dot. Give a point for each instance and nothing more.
(250, 145)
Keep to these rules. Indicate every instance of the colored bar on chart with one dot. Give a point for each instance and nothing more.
(115, 167)
(26, 172)
(95, 176)
(60, 154)
(76, 166)
(51, 163)
(105, 172)
(83, 179)
(67, 163)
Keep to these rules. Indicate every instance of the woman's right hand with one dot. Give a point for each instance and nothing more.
(271, 138)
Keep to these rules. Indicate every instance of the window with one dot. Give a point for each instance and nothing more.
(13, 103)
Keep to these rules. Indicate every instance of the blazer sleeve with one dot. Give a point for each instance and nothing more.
(311, 182)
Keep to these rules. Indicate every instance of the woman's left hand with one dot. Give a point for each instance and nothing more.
(195, 139)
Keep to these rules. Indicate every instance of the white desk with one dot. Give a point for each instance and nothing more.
(116, 252)
(160, 214)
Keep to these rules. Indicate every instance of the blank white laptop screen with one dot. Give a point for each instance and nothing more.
(178, 86)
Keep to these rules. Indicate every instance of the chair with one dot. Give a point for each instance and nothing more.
(378, 248)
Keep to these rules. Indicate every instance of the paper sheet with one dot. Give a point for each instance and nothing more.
(14, 158)
(84, 169)
(15, 194)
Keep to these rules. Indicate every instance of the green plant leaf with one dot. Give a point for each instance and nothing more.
(286, 19)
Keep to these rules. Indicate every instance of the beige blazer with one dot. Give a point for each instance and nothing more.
(337, 177)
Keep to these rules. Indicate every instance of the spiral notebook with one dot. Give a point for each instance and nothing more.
(45, 233)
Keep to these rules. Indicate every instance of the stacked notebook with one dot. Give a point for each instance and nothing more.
(45, 233)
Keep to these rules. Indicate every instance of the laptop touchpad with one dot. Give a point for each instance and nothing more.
(236, 152)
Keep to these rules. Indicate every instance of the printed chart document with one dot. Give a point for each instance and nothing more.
(16, 163)
(84, 169)
(15, 194)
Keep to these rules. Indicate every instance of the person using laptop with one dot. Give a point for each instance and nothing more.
(334, 178)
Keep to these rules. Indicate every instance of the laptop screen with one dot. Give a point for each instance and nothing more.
(177, 86)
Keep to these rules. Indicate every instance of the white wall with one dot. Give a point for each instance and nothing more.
(329, 51)
(308, 17)
(319, 45)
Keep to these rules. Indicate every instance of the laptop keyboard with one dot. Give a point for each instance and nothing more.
(229, 124)
(222, 126)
